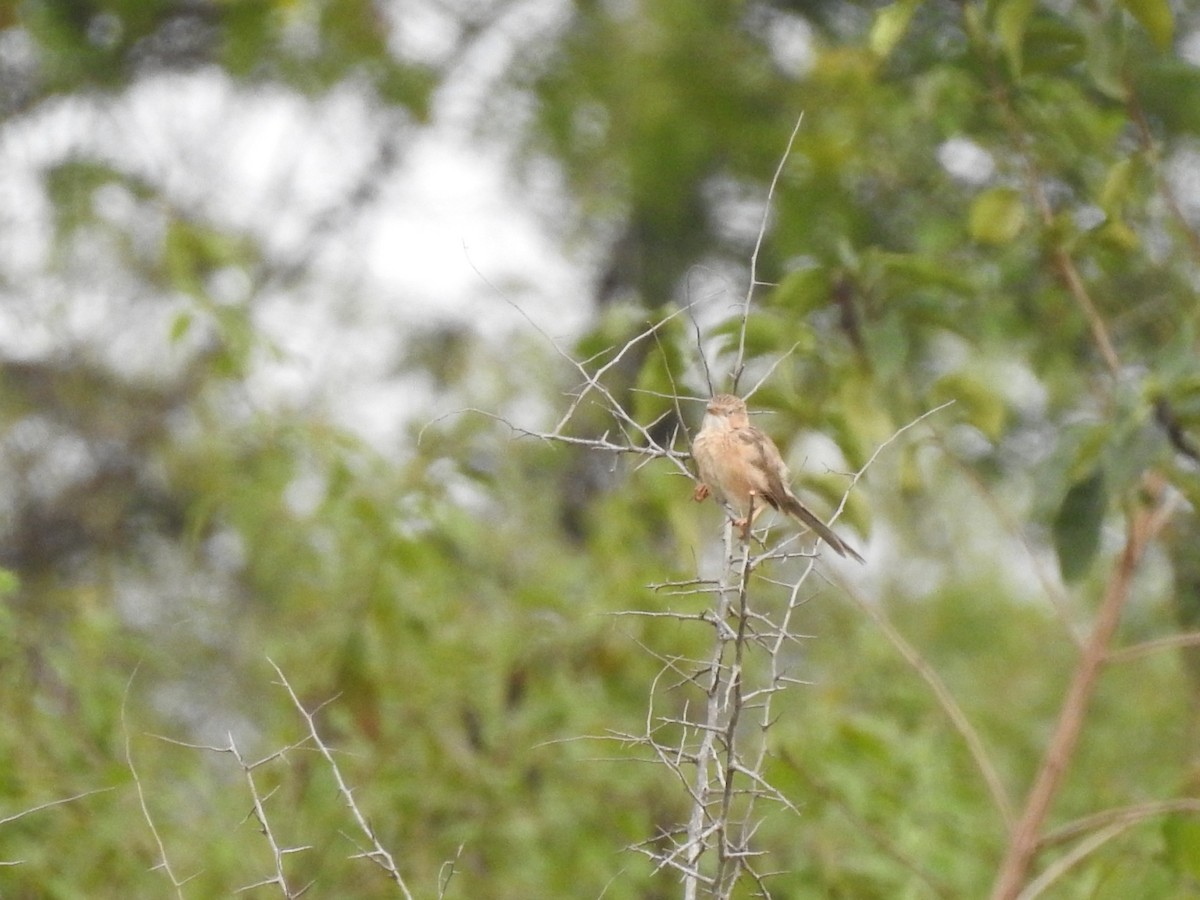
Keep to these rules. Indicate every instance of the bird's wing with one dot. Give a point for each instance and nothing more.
(768, 470)
(772, 474)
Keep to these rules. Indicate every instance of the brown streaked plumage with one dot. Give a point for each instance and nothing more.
(741, 466)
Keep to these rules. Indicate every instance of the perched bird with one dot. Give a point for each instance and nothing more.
(741, 467)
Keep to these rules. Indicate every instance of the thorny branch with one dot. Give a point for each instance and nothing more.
(258, 810)
(44, 806)
(716, 749)
(164, 861)
(748, 667)
(377, 854)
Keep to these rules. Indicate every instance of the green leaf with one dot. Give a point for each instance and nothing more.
(997, 216)
(979, 400)
(180, 326)
(803, 290)
(1077, 526)
(912, 270)
(1051, 46)
(1117, 185)
(890, 25)
(1106, 56)
(1166, 89)
(767, 333)
(1011, 19)
(1117, 235)
(1181, 834)
(1156, 17)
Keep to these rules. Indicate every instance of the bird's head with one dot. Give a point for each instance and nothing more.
(728, 411)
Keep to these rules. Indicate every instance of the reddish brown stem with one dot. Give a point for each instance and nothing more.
(1023, 844)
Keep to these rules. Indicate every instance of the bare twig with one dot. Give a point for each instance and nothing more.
(1143, 524)
(164, 861)
(895, 436)
(739, 364)
(1061, 261)
(1146, 648)
(279, 879)
(449, 868)
(945, 699)
(1060, 866)
(879, 837)
(377, 854)
(53, 803)
(1132, 815)
(44, 806)
(1146, 138)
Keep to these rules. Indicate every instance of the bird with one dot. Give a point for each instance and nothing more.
(742, 468)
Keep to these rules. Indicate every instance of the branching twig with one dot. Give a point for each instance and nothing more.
(1143, 524)
(1146, 648)
(260, 813)
(1131, 815)
(377, 854)
(447, 872)
(1060, 866)
(258, 810)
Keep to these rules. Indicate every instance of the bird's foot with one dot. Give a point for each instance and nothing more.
(700, 492)
(743, 525)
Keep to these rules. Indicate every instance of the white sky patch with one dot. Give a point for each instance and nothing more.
(1183, 173)
(790, 42)
(966, 160)
(1189, 47)
(447, 238)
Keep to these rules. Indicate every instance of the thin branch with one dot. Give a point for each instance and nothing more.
(771, 369)
(377, 854)
(945, 698)
(1060, 259)
(448, 871)
(861, 473)
(699, 337)
(1166, 417)
(260, 813)
(1146, 648)
(1023, 845)
(1146, 138)
(869, 831)
(1076, 855)
(740, 363)
(1057, 596)
(164, 862)
(52, 803)
(1122, 815)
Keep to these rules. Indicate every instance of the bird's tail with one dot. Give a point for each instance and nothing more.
(799, 511)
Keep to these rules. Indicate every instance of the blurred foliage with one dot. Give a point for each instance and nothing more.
(165, 531)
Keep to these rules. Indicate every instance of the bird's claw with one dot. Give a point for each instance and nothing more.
(743, 525)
